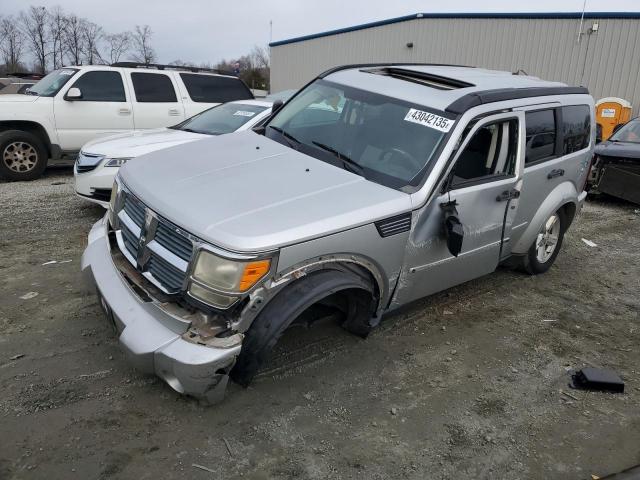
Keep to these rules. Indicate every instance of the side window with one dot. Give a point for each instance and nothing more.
(541, 135)
(100, 86)
(576, 128)
(490, 154)
(215, 89)
(153, 87)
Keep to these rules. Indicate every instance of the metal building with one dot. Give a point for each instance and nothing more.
(600, 51)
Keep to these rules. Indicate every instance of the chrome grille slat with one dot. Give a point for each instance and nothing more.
(134, 209)
(173, 241)
(130, 241)
(168, 275)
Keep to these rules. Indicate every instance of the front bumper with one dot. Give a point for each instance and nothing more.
(94, 184)
(152, 338)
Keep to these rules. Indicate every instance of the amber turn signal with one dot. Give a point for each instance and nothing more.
(253, 271)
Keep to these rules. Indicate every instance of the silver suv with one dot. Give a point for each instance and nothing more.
(375, 185)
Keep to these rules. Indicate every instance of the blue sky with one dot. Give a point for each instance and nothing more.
(209, 30)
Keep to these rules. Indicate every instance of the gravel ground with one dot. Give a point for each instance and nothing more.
(470, 383)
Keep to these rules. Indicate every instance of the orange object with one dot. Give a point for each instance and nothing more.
(253, 271)
(610, 112)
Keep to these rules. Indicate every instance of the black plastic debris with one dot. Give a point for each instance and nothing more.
(590, 378)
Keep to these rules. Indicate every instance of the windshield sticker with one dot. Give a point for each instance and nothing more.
(66, 72)
(430, 120)
(243, 113)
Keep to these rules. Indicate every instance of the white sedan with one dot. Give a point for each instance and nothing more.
(98, 162)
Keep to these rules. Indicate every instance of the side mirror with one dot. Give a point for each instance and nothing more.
(277, 105)
(453, 229)
(455, 234)
(74, 93)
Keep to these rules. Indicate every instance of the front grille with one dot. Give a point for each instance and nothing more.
(102, 194)
(135, 209)
(87, 162)
(173, 241)
(169, 276)
(165, 272)
(130, 241)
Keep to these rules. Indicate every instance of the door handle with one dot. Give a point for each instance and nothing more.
(124, 111)
(508, 195)
(555, 173)
(174, 112)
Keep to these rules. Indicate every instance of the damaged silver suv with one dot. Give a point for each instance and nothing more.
(375, 185)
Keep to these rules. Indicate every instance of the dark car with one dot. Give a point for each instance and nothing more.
(616, 166)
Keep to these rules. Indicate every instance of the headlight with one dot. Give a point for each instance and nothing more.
(116, 162)
(213, 276)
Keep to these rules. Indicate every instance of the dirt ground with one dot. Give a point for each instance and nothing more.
(467, 384)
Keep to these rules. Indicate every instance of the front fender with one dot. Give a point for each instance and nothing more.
(563, 194)
(38, 112)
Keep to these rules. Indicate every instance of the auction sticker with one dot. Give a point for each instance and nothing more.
(243, 113)
(430, 120)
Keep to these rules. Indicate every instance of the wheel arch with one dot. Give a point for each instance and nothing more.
(32, 127)
(356, 265)
(565, 197)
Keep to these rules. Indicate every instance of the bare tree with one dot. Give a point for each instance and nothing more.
(34, 24)
(73, 39)
(92, 35)
(141, 44)
(259, 57)
(117, 45)
(56, 26)
(11, 43)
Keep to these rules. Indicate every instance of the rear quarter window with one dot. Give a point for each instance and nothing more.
(576, 128)
(215, 89)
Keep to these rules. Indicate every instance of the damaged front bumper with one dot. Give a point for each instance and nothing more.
(154, 339)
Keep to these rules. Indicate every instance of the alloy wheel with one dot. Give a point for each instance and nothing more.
(547, 240)
(20, 157)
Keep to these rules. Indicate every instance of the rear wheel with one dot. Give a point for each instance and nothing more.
(23, 156)
(547, 244)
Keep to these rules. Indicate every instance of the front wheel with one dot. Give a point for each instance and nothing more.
(546, 245)
(23, 156)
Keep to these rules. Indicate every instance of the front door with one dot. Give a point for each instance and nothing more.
(482, 186)
(103, 109)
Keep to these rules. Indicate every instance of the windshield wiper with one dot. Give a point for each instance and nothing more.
(352, 166)
(191, 130)
(286, 135)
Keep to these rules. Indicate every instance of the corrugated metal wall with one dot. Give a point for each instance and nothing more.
(606, 61)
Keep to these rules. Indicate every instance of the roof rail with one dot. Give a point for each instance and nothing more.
(28, 75)
(158, 66)
(382, 65)
(474, 99)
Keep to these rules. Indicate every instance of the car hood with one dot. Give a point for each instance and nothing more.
(618, 149)
(18, 97)
(141, 142)
(247, 193)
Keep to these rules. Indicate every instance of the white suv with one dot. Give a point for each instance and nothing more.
(74, 105)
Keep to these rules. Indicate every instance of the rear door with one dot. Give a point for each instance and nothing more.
(483, 186)
(104, 109)
(557, 141)
(155, 100)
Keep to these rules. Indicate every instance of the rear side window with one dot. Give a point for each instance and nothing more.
(153, 87)
(576, 128)
(541, 135)
(101, 87)
(213, 89)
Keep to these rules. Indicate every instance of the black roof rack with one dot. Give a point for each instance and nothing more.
(382, 65)
(422, 78)
(28, 75)
(474, 99)
(158, 66)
